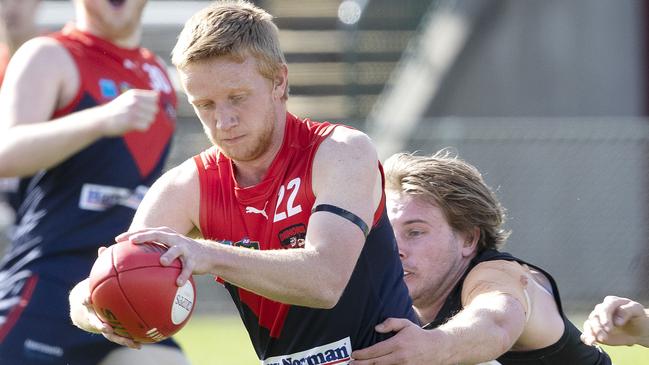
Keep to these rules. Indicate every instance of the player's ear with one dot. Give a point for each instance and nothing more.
(280, 82)
(471, 240)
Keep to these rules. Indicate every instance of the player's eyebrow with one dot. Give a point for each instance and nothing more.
(415, 221)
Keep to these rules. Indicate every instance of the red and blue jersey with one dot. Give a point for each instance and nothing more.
(64, 213)
(84, 201)
(274, 214)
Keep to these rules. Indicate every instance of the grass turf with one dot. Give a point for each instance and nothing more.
(213, 340)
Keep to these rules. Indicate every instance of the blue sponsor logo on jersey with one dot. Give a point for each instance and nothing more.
(332, 353)
(108, 88)
(101, 197)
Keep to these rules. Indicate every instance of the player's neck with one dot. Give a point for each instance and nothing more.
(127, 40)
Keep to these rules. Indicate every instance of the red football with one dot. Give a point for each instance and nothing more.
(137, 296)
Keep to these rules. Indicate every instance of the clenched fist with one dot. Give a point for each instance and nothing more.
(133, 110)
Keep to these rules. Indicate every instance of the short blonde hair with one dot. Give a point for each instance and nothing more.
(456, 187)
(233, 28)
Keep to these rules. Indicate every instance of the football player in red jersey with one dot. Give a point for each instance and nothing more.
(86, 119)
(291, 211)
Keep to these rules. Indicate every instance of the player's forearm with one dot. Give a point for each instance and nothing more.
(475, 336)
(26, 149)
(298, 276)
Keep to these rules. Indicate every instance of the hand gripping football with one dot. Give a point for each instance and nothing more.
(131, 291)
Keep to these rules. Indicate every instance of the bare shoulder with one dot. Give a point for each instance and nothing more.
(497, 276)
(346, 150)
(183, 176)
(347, 140)
(43, 53)
(496, 269)
(40, 77)
(346, 174)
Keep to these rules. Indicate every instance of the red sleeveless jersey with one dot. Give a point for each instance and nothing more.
(92, 195)
(105, 72)
(274, 215)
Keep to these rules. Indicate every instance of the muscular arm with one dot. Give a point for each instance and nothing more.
(42, 77)
(494, 314)
(490, 323)
(345, 175)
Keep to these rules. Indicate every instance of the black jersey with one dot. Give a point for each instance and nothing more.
(567, 350)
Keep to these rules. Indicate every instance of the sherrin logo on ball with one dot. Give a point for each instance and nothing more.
(136, 295)
(183, 304)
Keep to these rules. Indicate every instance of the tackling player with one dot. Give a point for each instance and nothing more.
(478, 304)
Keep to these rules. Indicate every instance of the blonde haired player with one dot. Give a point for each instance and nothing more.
(291, 210)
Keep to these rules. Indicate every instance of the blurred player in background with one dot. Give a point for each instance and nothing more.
(477, 303)
(17, 25)
(86, 119)
(292, 211)
(617, 321)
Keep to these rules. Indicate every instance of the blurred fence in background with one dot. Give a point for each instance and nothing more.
(575, 190)
(547, 98)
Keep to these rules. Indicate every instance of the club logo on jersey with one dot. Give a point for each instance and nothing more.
(293, 236)
(108, 88)
(245, 243)
(332, 353)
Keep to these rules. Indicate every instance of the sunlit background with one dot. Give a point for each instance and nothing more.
(548, 98)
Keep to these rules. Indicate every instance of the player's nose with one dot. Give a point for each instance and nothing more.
(225, 119)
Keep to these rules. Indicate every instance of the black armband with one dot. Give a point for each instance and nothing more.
(345, 214)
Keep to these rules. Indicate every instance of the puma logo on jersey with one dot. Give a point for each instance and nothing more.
(254, 210)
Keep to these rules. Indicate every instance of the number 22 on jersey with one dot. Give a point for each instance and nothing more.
(290, 191)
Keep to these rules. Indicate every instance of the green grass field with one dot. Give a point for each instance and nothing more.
(223, 341)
